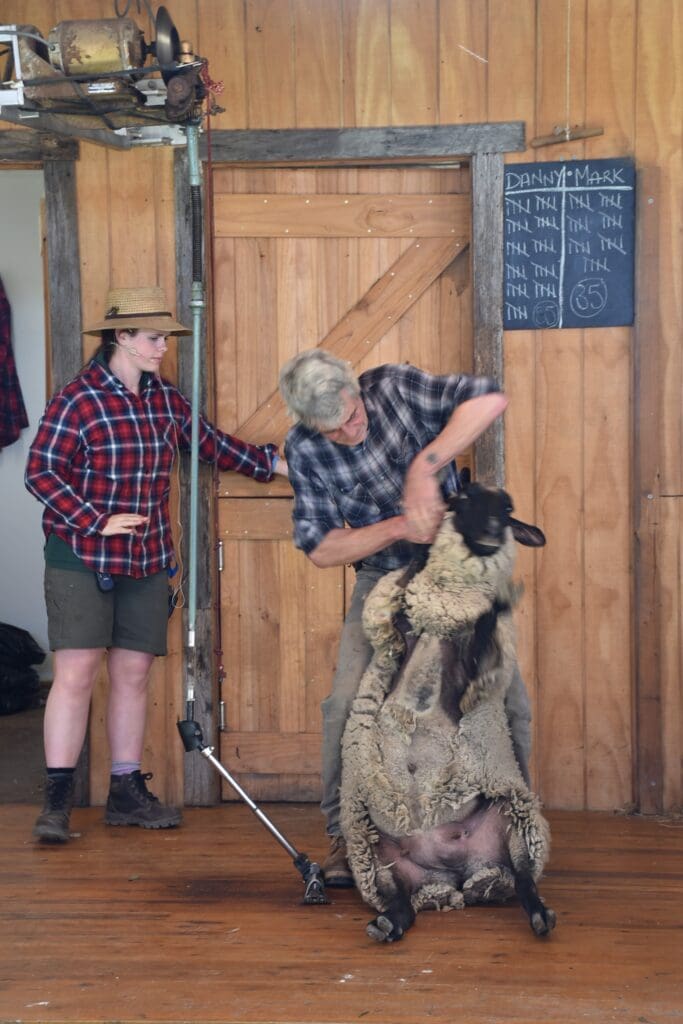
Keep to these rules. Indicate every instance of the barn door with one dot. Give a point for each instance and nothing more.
(371, 264)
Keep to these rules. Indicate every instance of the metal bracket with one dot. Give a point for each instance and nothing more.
(12, 93)
(154, 135)
(565, 134)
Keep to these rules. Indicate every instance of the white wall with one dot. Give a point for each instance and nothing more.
(21, 537)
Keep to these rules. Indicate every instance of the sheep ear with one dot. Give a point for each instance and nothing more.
(530, 536)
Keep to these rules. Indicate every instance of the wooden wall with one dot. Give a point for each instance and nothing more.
(594, 426)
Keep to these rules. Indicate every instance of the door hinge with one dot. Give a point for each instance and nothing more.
(221, 702)
(219, 547)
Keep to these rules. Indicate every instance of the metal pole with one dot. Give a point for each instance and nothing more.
(208, 754)
(197, 307)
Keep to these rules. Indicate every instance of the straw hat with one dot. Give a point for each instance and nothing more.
(144, 309)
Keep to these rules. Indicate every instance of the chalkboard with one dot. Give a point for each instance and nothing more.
(569, 244)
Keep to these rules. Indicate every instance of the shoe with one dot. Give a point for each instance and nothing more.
(338, 874)
(131, 803)
(52, 824)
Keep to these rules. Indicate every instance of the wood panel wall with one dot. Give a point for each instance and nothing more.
(594, 426)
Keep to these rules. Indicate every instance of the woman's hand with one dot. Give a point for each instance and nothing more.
(281, 466)
(122, 522)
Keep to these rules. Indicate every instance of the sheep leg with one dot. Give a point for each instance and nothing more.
(541, 918)
(392, 923)
(483, 638)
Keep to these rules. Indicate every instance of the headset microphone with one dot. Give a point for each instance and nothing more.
(129, 348)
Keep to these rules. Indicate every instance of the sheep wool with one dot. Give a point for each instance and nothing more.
(408, 768)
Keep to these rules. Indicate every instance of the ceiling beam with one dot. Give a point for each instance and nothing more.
(419, 144)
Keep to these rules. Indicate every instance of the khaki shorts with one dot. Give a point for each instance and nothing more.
(134, 615)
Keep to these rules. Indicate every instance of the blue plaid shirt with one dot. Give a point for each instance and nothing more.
(358, 485)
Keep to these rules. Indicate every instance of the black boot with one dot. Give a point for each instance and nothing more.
(131, 803)
(52, 824)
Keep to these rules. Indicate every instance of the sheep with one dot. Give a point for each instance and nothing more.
(434, 808)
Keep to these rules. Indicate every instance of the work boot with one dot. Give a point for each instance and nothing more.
(131, 803)
(335, 867)
(52, 824)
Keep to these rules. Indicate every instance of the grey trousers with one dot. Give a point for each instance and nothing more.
(353, 658)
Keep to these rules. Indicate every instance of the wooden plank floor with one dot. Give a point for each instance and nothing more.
(204, 923)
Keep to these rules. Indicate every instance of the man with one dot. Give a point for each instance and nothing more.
(371, 461)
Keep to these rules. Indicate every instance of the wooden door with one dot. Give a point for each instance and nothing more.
(372, 264)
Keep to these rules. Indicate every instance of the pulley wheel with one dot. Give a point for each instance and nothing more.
(167, 44)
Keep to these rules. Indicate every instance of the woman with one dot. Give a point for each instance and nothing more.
(101, 464)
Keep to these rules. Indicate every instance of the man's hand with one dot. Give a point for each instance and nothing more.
(122, 522)
(423, 506)
(422, 501)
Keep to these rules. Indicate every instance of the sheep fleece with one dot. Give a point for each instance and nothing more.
(456, 762)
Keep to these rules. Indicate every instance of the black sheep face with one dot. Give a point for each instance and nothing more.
(481, 515)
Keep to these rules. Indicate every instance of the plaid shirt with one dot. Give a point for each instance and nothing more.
(362, 484)
(13, 416)
(101, 450)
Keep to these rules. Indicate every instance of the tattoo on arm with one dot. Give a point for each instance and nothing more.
(431, 458)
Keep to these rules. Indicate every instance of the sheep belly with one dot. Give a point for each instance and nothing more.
(450, 854)
(439, 839)
(432, 818)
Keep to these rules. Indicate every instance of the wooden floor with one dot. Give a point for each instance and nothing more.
(205, 923)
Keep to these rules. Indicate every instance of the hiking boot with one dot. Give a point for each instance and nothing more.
(335, 867)
(52, 824)
(131, 803)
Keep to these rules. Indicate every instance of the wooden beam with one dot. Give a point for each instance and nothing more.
(419, 144)
(29, 147)
(63, 261)
(259, 215)
(647, 498)
(487, 301)
(64, 306)
(67, 127)
(202, 784)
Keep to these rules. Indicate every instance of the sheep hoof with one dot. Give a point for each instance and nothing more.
(543, 921)
(383, 930)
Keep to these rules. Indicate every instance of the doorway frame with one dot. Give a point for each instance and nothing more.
(482, 146)
(56, 156)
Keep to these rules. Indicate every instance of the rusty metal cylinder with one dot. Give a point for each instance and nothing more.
(93, 47)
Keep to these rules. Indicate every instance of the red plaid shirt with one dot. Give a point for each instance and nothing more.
(101, 450)
(13, 416)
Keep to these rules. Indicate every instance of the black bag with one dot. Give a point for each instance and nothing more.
(19, 683)
(19, 689)
(18, 648)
